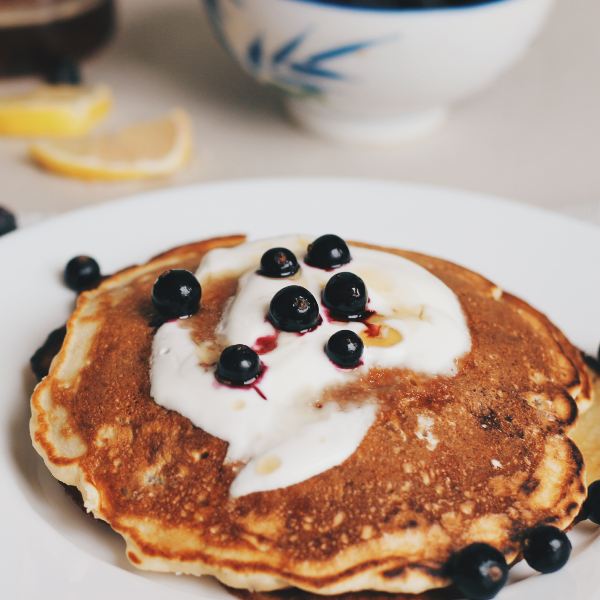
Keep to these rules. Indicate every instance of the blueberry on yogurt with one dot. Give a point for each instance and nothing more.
(278, 262)
(345, 295)
(345, 349)
(328, 252)
(238, 365)
(294, 308)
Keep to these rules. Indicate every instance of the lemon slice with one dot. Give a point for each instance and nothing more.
(54, 110)
(149, 149)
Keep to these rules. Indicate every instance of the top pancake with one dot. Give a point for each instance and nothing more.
(388, 517)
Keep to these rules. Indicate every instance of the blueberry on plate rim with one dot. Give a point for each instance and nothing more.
(238, 365)
(293, 308)
(328, 252)
(176, 294)
(345, 295)
(42, 357)
(82, 273)
(345, 349)
(546, 548)
(593, 362)
(591, 507)
(8, 221)
(278, 262)
(479, 571)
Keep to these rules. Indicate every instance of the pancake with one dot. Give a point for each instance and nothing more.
(387, 518)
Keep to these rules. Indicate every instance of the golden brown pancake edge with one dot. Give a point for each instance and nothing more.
(160, 482)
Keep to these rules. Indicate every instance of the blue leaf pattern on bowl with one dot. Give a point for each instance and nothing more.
(282, 68)
(286, 50)
(255, 53)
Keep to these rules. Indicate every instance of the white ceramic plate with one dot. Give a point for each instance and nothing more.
(48, 549)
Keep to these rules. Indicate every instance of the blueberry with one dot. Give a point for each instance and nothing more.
(328, 252)
(583, 513)
(278, 262)
(41, 359)
(8, 222)
(294, 308)
(591, 507)
(63, 71)
(176, 294)
(345, 348)
(82, 273)
(478, 571)
(546, 549)
(593, 362)
(238, 365)
(345, 295)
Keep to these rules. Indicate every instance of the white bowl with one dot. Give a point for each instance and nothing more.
(375, 74)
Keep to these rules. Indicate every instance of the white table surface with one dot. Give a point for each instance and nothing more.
(534, 136)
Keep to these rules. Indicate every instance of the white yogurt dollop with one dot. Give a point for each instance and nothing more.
(287, 438)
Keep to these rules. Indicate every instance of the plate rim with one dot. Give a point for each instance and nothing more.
(155, 195)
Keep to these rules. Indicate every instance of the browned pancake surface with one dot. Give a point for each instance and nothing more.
(388, 517)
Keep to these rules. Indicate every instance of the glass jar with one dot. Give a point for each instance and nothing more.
(35, 34)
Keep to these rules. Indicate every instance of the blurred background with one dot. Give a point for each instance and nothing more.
(533, 135)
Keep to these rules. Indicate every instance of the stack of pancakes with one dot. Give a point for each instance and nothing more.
(386, 519)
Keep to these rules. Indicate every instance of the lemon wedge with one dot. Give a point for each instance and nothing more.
(149, 149)
(54, 110)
